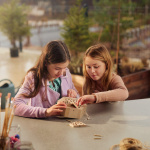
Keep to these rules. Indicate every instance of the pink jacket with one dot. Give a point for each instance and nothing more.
(36, 107)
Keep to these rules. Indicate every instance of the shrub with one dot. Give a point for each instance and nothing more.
(131, 67)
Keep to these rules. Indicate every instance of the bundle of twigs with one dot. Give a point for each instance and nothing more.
(0, 112)
(131, 144)
(9, 113)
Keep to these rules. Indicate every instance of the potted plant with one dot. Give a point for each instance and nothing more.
(13, 23)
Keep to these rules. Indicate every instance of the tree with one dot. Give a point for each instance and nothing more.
(143, 11)
(76, 29)
(106, 14)
(13, 21)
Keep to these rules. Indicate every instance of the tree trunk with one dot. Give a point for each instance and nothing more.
(118, 37)
(13, 43)
(20, 43)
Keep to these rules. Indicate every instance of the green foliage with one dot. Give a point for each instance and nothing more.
(76, 29)
(106, 15)
(129, 67)
(75, 65)
(143, 3)
(106, 35)
(13, 21)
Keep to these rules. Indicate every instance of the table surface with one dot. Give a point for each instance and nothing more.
(114, 121)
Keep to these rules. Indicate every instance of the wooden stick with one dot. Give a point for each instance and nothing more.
(0, 112)
(11, 116)
(98, 135)
(98, 138)
(11, 106)
(8, 100)
(5, 125)
(8, 104)
(9, 113)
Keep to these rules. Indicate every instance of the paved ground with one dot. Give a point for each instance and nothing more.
(15, 68)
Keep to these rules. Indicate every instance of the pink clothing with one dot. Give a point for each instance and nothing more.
(117, 91)
(36, 106)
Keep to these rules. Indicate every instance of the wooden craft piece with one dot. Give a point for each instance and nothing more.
(77, 124)
(72, 110)
(97, 137)
(69, 101)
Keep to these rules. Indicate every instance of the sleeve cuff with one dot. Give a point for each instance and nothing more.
(95, 97)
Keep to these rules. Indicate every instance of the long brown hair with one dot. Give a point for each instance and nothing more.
(101, 53)
(54, 52)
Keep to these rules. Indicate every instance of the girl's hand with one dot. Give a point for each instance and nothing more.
(55, 110)
(86, 99)
(72, 93)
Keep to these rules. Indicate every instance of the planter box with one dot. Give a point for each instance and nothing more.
(138, 84)
(14, 52)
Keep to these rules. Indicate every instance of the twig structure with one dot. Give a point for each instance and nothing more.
(129, 144)
(9, 113)
(72, 110)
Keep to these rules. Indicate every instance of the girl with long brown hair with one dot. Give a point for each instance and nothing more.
(45, 83)
(100, 83)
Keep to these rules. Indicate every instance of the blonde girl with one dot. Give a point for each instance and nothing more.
(100, 84)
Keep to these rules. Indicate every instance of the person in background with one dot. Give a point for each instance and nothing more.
(100, 83)
(45, 83)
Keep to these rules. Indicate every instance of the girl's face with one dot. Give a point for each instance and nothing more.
(95, 68)
(56, 70)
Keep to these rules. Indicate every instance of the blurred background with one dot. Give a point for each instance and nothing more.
(122, 26)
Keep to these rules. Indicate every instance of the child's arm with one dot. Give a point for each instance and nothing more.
(72, 93)
(118, 91)
(22, 107)
(55, 110)
(86, 99)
